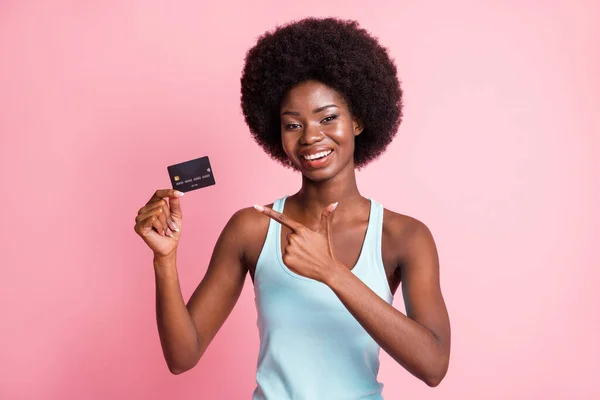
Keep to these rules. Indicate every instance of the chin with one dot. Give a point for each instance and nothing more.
(320, 175)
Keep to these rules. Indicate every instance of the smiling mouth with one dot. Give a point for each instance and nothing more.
(317, 156)
(316, 160)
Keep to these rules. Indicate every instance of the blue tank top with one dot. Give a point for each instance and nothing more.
(311, 347)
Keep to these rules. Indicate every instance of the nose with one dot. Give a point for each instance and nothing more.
(311, 134)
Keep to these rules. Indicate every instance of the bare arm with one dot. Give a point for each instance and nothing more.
(186, 331)
(420, 340)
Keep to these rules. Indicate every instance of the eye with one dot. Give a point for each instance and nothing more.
(329, 118)
(292, 126)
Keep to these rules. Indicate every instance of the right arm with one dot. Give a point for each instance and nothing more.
(186, 331)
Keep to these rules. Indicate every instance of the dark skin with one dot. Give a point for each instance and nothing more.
(317, 242)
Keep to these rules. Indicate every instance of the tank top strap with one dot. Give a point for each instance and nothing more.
(274, 230)
(267, 259)
(373, 226)
(278, 204)
(374, 267)
(373, 233)
(377, 223)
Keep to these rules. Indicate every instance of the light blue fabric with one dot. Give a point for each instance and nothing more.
(311, 347)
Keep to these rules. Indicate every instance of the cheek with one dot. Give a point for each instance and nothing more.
(342, 134)
(287, 142)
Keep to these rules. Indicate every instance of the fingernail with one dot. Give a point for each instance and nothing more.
(173, 225)
(259, 208)
(334, 206)
(178, 193)
(169, 233)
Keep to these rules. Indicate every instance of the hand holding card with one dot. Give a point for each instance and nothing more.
(159, 223)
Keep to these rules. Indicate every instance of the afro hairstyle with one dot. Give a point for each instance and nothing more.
(337, 53)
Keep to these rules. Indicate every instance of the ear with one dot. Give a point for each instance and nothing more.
(357, 126)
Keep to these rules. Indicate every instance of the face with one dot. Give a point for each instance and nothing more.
(318, 130)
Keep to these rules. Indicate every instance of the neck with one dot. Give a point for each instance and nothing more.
(315, 196)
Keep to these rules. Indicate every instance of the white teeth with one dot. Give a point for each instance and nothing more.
(317, 155)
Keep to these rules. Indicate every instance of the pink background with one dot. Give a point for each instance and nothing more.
(498, 154)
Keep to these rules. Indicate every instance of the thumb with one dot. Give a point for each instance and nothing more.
(175, 207)
(326, 217)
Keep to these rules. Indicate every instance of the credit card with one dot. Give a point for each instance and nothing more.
(191, 175)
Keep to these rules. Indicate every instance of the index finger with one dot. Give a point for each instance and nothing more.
(163, 193)
(281, 218)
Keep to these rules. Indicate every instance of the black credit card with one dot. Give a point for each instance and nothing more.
(191, 175)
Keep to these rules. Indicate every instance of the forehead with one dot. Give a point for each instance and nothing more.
(311, 95)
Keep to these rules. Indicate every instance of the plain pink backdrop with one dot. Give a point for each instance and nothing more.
(497, 154)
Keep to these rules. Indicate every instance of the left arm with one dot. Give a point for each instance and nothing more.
(420, 340)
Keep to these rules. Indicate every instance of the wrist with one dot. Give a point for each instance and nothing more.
(165, 259)
(165, 264)
(335, 274)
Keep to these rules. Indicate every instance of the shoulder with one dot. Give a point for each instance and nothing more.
(247, 221)
(408, 234)
(249, 228)
(403, 226)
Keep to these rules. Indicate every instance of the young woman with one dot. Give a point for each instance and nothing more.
(320, 96)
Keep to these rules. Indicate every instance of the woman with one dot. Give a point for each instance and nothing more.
(320, 96)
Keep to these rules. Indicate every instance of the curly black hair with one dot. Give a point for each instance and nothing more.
(337, 53)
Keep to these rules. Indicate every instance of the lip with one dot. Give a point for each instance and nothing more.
(314, 150)
(306, 164)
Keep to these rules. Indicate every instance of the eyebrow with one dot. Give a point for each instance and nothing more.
(315, 111)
